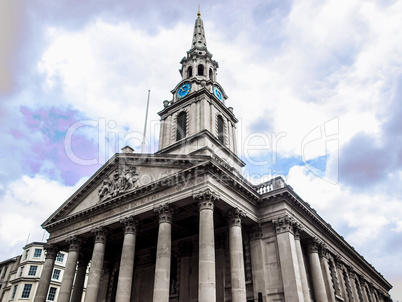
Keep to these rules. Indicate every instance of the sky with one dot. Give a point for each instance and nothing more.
(316, 86)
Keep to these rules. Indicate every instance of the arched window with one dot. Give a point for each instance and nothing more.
(200, 69)
(211, 74)
(181, 125)
(189, 72)
(220, 129)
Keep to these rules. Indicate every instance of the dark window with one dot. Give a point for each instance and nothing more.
(5, 271)
(181, 125)
(200, 69)
(56, 274)
(190, 72)
(52, 294)
(32, 270)
(27, 291)
(37, 253)
(14, 291)
(220, 129)
(60, 257)
(211, 74)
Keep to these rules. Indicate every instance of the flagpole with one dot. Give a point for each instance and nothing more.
(145, 125)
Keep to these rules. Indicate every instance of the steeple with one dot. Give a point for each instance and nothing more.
(199, 40)
(196, 120)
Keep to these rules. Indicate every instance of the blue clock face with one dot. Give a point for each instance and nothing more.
(183, 90)
(218, 93)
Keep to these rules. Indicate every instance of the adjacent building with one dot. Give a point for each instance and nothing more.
(21, 274)
(184, 225)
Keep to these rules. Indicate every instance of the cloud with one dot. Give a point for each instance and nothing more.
(27, 202)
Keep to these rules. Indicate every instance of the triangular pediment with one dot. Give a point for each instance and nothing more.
(123, 173)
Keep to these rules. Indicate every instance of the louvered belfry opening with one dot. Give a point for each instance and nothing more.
(220, 129)
(181, 125)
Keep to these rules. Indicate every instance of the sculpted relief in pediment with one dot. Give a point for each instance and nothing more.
(120, 181)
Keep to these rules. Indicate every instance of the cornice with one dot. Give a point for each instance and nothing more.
(288, 195)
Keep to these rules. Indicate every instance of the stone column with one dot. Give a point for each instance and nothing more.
(316, 272)
(125, 281)
(363, 286)
(341, 281)
(352, 281)
(206, 271)
(69, 270)
(95, 272)
(79, 278)
(327, 274)
(257, 263)
(163, 254)
(44, 282)
(237, 276)
(302, 266)
(290, 269)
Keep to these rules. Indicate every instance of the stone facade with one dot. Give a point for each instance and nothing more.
(183, 224)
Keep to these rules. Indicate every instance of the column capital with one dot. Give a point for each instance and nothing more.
(235, 216)
(352, 273)
(130, 225)
(338, 262)
(255, 232)
(100, 234)
(206, 199)
(51, 250)
(164, 213)
(74, 243)
(314, 245)
(297, 228)
(283, 224)
(323, 251)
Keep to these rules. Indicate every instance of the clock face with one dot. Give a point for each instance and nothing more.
(218, 93)
(183, 90)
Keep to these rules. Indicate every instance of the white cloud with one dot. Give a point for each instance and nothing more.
(26, 203)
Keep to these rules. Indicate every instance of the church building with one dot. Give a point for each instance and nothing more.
(184, 225)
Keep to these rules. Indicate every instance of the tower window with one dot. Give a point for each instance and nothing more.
(220, 129)
(190, 72)
(181, 125)
(200, 69)
(210, 74)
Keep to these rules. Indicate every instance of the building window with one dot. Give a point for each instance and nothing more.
(14, 292)
(190, 72)
(37, 253)
(27, 291)
(181, 125)
(211, 74)
(60, 257)
(21, 271)
(52, 294)
(5, 271)
(26, 254)
(220, 129)
(200, 69)
(56, 274)
(32, 270)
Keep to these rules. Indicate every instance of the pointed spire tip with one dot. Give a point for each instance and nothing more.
(199, 13)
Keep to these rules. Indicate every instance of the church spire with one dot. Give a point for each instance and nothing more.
(199, 40)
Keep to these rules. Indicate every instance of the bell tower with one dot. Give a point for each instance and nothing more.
(196, 121)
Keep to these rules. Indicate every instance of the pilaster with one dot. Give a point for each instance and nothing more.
(303, 273)
(289, 263)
